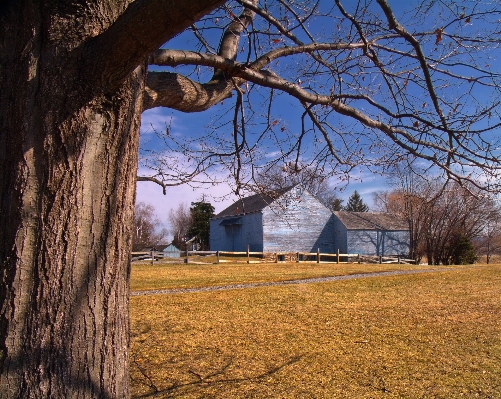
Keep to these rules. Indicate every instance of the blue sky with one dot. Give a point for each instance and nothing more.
(285, 111)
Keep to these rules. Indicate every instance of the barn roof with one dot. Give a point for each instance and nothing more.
(371, 221)
(158, 247)
(254, 203)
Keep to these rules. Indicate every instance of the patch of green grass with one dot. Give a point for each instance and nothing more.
(429, 335)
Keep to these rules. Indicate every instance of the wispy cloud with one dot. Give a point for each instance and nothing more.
(156, 120)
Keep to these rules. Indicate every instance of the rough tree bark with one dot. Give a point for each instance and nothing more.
(71, 81)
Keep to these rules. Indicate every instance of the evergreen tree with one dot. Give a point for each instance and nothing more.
(461, 251)
(355, 204)
(336, 204)
(201, 213)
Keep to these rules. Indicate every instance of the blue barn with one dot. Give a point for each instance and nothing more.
(290, 219)
(371, 233)
(293, 220)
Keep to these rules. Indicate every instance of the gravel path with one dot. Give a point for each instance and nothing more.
(280, 283)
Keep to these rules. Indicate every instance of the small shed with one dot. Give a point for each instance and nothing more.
(371, 233)
(168, 250)
(290, 219)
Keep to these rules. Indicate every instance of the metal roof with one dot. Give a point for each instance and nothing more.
(254, 203)
(371, 221)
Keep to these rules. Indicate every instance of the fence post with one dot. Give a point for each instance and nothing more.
(152, 257)
(186, 260)
(248, 255)
(318, 255)
(380, 259)
(338, 256)
(297, 257)
(398, 258)
(276, 257)
(217, 255)
(358, 258)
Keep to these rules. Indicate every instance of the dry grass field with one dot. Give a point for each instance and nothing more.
(426, 335)
(167, 276)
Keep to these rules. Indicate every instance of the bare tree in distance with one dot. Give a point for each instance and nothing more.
(146, 227)
(374, 86)
(180, 221)
(457, 212)
(489, 242)
(439, 218)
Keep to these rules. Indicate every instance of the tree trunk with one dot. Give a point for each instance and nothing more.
(67, 186)
(72, 74)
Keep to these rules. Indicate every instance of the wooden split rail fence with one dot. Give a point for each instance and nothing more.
(275, 257)
(286, 256)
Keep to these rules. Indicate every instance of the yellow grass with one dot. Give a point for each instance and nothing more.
(429, 335)
(164, 275)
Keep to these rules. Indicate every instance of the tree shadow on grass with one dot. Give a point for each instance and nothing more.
(207, 380)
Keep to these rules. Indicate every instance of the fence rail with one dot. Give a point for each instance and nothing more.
(272, 257)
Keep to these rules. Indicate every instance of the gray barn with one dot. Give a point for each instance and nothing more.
(290, 219)
(371, 233)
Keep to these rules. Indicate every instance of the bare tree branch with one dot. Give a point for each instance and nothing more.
(405, 87)
(153, 180)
